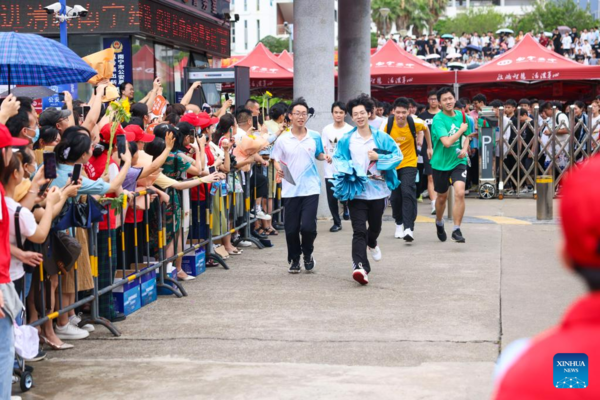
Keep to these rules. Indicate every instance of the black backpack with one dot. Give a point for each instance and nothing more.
(411, 126)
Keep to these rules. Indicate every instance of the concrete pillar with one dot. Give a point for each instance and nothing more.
(314, 22)
(354, 50)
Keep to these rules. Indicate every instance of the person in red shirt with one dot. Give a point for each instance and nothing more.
(526, 369)
(9, 300)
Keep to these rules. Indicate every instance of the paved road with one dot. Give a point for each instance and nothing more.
(430, 324)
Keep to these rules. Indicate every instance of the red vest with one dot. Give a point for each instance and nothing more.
(531, 376)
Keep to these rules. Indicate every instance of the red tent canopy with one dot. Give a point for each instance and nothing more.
(392, 65)
(286, 59)
(529, 61)
(265, 70)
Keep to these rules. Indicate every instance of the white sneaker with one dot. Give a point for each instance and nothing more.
(433, 207)
(261, 215)
(76, 319)
(399, 231)
(244, 243)
(70, 332)
(408, 235)
(375, 253)
(360, 275)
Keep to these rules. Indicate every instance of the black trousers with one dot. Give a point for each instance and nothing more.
(361, 213)
(404, 198)
(473, 170)
(300, 225)
(333, 203)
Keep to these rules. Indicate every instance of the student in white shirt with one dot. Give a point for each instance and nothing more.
(298, 150)
(330, 137)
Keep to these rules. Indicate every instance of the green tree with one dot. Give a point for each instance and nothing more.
(419, 14)
(373, 40)
(547, 15)
(274, 44)
(481, 19)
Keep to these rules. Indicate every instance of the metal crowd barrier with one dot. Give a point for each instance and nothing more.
(227, 203)
(520, 163)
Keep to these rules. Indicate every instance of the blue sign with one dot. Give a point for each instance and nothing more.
(123, 66)
(53, 101)
(571, 371)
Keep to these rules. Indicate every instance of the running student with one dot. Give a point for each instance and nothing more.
(426, 149)
(408, 134)
(298, 149)
(370, 153)
(331, 136)
(450, 137)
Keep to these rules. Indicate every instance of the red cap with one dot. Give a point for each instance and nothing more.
(7, 140)
(208, 122)
(191, 118)
(105, 134)
(580, 214)
(140, 135)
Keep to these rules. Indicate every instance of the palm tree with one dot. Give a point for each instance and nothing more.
(404, 13)
(436, 9)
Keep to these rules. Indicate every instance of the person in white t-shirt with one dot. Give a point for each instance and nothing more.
(567, 43)
(295, 154)
(330, 137)
(559, 123)
(376, 122)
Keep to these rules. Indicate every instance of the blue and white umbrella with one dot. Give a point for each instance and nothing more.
(28, 59)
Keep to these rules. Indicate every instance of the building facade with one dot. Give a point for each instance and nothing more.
(262, 18)
(152, 38)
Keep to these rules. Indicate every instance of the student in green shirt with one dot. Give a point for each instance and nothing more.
(449, 134)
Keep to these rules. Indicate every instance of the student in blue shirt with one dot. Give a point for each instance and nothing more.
(374, 155)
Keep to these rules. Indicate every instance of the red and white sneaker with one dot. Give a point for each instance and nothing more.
(360, 275)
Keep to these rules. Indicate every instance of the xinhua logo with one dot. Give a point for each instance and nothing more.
(570, 371)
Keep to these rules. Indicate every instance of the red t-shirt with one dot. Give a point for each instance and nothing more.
(94, 170)
(4, 243)
(531, 376)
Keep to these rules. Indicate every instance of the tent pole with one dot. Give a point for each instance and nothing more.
(455, 84)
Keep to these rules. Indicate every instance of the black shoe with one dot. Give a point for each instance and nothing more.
(346, 214)
(279, 227)
(258, 235)
(441, 233)
(118, 317)
(335, 228)
(39, 357)
(457, 236)
(309, 265)
(294, 267)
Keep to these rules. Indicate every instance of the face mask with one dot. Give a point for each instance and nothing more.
(36, 136)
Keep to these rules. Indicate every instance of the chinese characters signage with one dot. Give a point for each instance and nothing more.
(122, 47)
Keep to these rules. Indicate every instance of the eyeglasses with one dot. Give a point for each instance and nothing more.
(303, 115)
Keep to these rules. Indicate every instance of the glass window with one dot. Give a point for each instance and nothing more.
(233, 33)
(142, 54)
(246, 34)
(163, 56)
(245, 5)
(258, 30)
(257, 5)
(180, 61)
